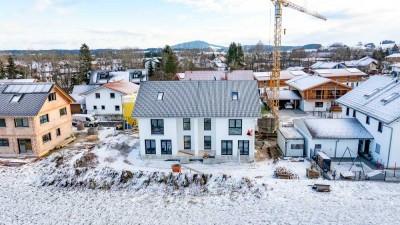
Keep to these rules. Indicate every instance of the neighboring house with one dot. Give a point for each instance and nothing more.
(215, 75)
(291, 142)
(332, 136)
(375, 104)
(318, 93)
(107, 98)
(286, 96)
(34, 118)
(393, 58)
(366, 64)
(197, 117)
(264, 79)
(106, 76)
(349, 76)
(327, 65)
(79, 106)
(18, 80)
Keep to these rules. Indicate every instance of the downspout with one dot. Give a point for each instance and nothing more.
(390, 143)
(336, 146)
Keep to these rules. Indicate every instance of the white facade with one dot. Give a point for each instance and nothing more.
(384, 148)
(173, 131)
(105, 104)
(310, 106)
(291, 145)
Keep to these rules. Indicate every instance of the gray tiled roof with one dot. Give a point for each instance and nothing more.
(379, 88)
(30, 103)
(349, 128)
(197, 99)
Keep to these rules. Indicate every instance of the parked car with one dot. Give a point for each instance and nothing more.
(373, 72)
(86, 120)
(288, 105)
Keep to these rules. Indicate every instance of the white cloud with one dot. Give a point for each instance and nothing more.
(41, 5)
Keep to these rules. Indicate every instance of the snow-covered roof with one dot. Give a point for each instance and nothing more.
(375, 97)
(18, 80)
(78, 99)
(79, 89)
(394, 55)
(340, 72)
(361, 62)
(307, 81)
(348, 128)
(325, 65)
(217, 75)
(284, 75)
(286, 95)
(290, 133)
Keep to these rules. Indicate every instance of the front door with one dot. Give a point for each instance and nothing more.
(366, 146)
(166, 147)
(25, 146)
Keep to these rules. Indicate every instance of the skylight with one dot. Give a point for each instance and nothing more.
(16, 98)
(390, 98)
(160, 96)
(235, 96)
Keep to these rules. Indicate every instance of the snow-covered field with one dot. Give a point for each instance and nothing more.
(235, 194)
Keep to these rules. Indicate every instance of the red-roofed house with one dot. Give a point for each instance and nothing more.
(216, 75)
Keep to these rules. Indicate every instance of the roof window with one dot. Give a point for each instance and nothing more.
(16, 98)
(235, 96)
(390, 98)
(160, 96)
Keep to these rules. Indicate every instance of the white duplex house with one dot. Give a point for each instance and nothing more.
(197, 117)
(107, 98)
(376, 105)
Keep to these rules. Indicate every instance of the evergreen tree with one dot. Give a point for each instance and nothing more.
(232, 53)
(235, 55)
(10, 69)
(151, 68)
(213, 56)
(85, 65)
(395, 49)
(170, 62)
(240, 54)
(2, 71)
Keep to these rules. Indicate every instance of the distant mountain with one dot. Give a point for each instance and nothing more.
(197, 45)
(285, 48)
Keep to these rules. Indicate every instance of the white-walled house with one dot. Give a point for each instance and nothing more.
(135, 76)
(107, 98)
(376, 104)
(214, 117)
(332, 136)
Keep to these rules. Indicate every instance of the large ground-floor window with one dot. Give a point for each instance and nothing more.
(243, 147)
(226, 147)
(166, 147)
(150, 146)
(187, 142)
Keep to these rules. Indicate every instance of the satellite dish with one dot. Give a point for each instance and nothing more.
(395, 74)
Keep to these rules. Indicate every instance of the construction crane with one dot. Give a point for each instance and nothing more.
(275, 77)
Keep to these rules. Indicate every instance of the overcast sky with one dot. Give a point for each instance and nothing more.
(66, 24)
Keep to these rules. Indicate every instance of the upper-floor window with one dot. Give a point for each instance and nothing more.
(52, 97)
(58, 132)
(347, 111)
(97, 95)
(378, 148)
(186, 123)
(187, 142)
(21, 122)
(95, 107)
(157, 126)
(4, 142)
(112, 95)
(103, 107)
(235, 96)
(207, 123)
(380, 127)
(354, 113)
(44, 119)
(235, 127)
(2, 122)
(367, 120)
(318, 146)
(63, 111)
(46, 137)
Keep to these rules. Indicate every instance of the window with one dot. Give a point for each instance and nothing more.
(235, 96)
(207, 142)
(21, 122)
(226, 147)
(103, 107)
(44, 119)
(160, 96)
(380, 127)
(378, 148)
(63, 111)
(318, 146)
(319, 94)
(112, 95)
(157, 126)
(95, 107)
(235, 127)
(347, 111)
(2, 122)
(58, 132)
(354, 113)
(297, 146)
(117, 108)
(187, 141)
(16, 98)
(319, 104)
(136, 74)
(150, 146)
(367, 120)
(52, 97)
(186, 123)
(166, 147)
(46, 137)
(97, 95)
(4, 142)
(243, 147)
(207, 123)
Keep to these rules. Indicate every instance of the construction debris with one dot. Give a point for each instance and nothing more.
(322, 187)
(285, 173)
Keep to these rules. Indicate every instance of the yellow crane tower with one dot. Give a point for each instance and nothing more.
(275, 77)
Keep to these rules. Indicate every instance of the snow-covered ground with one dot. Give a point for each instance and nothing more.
(235, 194)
